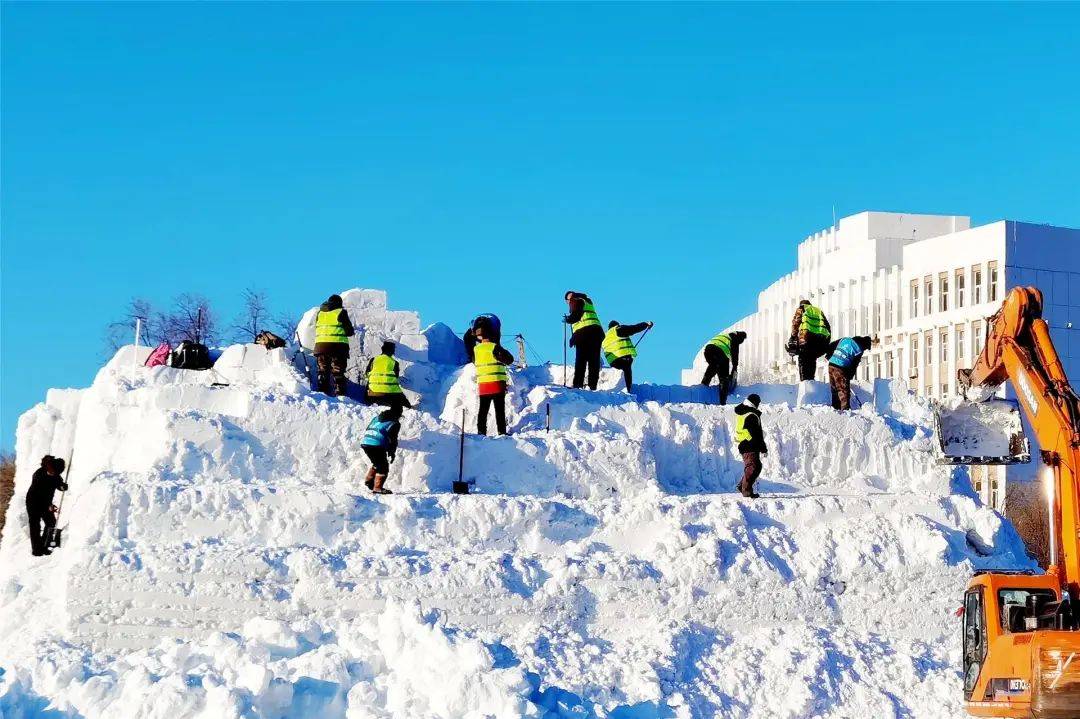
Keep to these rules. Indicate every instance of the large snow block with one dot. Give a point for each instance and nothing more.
(444, 346)
(813, 393)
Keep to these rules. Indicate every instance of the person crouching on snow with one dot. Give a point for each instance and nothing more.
(751, 442)
(380, 445)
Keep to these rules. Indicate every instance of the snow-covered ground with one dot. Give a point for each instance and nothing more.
(221, 558)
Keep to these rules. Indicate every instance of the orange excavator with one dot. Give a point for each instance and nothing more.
(1021, 631)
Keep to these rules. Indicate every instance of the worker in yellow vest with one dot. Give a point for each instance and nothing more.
(619, 349)
(722, 361)
(751, 439)
(587, 337)
(384, 379)
(810, 335)
(491, 360)
(333, 328)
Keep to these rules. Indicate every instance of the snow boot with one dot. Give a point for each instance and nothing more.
(378, 487)
(369, 480)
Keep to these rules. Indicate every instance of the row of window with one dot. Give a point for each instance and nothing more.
(952, 289)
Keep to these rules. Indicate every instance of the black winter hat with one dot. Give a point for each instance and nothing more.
(611, 324)
(754, 400)
(388, 347)
(334, 302)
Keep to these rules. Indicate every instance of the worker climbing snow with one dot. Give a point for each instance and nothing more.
(384, 379)
(751, 440)
(587, 337)
(722, 361)
(333, 328)
(810, 333)
(39, 501)
(619, 349)
(380, 445)
(491, 360)
(844, 357)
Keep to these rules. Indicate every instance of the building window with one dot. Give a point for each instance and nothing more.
(976, 338)
(877, 317)
(992, 289)
(928, 285)
(866, 372)
(944, 344)
(877, 366)
(914, 369)
(914, 298)
(976, 284)
(943, 291)
(944, 390)
(959, 344)
(890, 366)
(928, 340)
(865, 319)
(961, 282)
(888, 314)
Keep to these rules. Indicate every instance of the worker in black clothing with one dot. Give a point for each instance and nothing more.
(384, 379)
(39, 501)
(722, 361)
(751, 440)
(333, 328)
(586, 339)
(492, 378)
(619, 350)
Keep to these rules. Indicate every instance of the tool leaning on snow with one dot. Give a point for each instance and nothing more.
(54, 534)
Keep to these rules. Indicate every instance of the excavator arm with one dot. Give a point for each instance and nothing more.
(1019, 348)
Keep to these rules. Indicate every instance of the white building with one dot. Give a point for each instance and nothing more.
(924, 285)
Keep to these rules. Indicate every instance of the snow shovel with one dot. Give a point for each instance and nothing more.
(460, 486)
(303, 356)
(54, 534)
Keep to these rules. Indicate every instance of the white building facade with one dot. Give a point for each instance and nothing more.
(924, 285)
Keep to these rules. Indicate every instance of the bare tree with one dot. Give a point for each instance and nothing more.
(7, 484)
(190, 318)
(254, 317)
(1025, 507)
(285, 325)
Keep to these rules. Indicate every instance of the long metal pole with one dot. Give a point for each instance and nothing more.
(564, 352)
(135, 352)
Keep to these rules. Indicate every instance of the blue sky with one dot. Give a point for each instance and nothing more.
(487, 157)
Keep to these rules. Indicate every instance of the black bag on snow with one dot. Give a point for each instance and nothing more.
(191, 355)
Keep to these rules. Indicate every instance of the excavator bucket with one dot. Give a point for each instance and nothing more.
(984, 431)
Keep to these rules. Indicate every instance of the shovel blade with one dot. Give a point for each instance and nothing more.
(988, 432)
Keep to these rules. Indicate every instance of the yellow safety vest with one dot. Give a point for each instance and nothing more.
(588, 317)
(381, 379)
(328, 327)
(723, 341)
(813, 321)
(615, 346)
(742, 434)
(488, 369)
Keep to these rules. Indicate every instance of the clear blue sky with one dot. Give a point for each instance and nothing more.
(467, 158)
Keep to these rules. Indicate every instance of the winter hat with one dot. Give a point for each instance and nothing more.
(753, 400)
(611, 324)
(388, 347)
(334, 302)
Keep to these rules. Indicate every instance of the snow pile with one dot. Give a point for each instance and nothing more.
(221, 558)
(980, 429)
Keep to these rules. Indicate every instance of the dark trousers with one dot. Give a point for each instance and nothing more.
(717, 365)
(814, 347)
(487, 400)
(626, 364)
(751, 471)
(378, 458)
(332, 365)
(587, 356)
(39, 515)
(840, 384)
(395, 399)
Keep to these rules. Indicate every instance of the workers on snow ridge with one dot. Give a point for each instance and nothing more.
(810, 333)
(39, 501)
(619, 349)
(333, 328)
(491, 360)
(384, 379)
(722, 361)
(380, 445)
(587, 337)
(751, 440)
(844, 357)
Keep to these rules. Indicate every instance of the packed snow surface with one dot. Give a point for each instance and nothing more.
(222, 559)
(990, 428)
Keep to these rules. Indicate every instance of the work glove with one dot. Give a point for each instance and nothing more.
(648, 325)
(566, 318)
(53, 509)
(393, 456)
